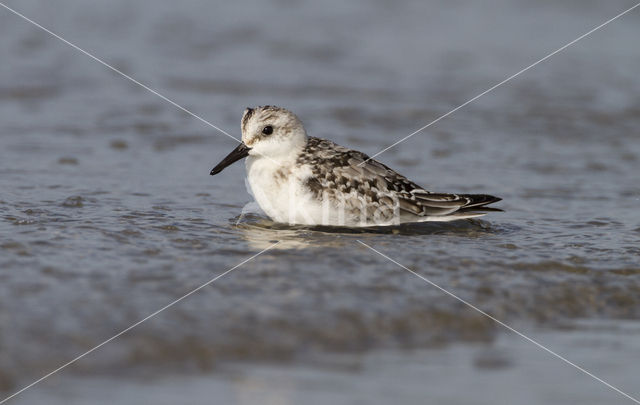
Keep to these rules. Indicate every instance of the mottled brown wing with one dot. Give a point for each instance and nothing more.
(339, 170)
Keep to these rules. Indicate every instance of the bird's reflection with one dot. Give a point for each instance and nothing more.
(261, 232)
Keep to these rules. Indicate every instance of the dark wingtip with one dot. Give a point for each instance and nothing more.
(480, 200)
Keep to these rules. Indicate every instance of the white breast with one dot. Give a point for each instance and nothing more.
(280, 191)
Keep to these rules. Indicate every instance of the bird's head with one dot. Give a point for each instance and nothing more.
(267, 132)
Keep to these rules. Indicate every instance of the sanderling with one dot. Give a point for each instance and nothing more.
(298, 179)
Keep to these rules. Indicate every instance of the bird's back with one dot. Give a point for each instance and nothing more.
(373, 193)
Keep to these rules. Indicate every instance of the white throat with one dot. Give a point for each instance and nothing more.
(276, 183)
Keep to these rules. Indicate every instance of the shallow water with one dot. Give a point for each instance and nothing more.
(506, 370)
(107, 211)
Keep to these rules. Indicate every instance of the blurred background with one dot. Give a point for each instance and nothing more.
(107, 211)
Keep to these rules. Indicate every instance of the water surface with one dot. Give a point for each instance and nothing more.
(107, 211)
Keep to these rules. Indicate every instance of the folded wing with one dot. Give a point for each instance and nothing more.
(338, 171)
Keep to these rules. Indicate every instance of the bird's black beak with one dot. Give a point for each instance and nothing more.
(238, 153)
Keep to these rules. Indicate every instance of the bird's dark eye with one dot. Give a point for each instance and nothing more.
(268, 130)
